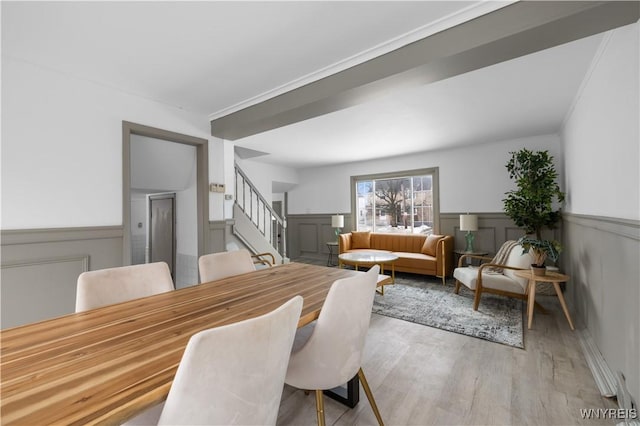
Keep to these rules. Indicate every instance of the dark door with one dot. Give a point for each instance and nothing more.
(162, 230)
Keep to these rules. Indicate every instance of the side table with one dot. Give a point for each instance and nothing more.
(459, 253)
(333, 250)
(549, 277)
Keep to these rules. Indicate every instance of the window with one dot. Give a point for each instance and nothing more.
(396, 202)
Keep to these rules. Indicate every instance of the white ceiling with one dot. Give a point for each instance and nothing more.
(216, 57)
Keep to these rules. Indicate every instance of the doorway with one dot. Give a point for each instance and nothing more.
(192, 213)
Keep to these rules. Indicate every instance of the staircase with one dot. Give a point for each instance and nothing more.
(257, 225)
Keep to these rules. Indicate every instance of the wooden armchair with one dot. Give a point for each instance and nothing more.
(493, 277)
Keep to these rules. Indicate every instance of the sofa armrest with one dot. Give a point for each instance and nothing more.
(444, 256)
(344, 243)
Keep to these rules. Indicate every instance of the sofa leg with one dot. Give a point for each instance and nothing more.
(457, 289)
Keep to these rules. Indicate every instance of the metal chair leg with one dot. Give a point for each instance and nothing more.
(320, 407)
(367, 391)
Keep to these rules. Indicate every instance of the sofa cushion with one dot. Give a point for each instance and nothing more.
(430, 244)
(361, 240)
(415, 262)
(414, 256)
(411, 243)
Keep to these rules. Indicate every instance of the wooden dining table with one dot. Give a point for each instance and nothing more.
(105, 365)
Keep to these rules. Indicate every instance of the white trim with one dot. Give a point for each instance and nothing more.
(471, 12)
(587, 77)
(602, 374)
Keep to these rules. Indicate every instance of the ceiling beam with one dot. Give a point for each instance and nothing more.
(518, 29)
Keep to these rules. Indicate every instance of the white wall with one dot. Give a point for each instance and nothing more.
(162, 166)
(601, 140)
(601, 135)
(138, 234)
(471, 179)
(62, 146)
(219, 166)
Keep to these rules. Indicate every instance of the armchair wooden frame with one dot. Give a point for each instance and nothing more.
(441, 247)
(479, 288)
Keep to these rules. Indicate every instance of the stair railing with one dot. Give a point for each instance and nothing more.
(270, 224)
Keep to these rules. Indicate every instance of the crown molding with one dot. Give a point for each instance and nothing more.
(451, 20)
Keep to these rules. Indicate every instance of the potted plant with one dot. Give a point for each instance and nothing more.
(540, 250)
(535, 204)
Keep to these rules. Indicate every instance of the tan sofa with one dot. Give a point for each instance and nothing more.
(417, 254)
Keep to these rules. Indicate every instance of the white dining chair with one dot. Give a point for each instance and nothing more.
(216, 266)
(231, 375)
(114, 285)
(333, 353)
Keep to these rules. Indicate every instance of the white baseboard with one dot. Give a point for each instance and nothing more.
(604, 377)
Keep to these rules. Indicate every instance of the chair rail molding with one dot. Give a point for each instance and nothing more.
(49, 235)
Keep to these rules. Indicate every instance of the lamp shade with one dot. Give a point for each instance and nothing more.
(337, 221)
(468, 222)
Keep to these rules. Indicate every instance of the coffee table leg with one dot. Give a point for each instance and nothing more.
(563, 304)
(531, 301)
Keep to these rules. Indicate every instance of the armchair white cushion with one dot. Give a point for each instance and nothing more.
(484, 279)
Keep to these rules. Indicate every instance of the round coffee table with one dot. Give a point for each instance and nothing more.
(370, 258)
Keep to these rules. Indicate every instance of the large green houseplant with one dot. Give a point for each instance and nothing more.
(534, 205)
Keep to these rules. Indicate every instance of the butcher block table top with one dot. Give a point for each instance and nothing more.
(105, 365)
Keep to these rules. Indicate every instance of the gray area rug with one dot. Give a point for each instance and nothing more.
(424, 300)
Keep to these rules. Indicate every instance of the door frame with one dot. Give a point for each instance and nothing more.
(202, 179)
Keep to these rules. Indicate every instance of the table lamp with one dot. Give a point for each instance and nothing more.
(337, 221)
(469, 223)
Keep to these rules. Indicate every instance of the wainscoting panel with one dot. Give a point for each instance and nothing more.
(40, 268)
(186, 270)
(40, 289)
(493, 230)
(308, 238)
(308, 234)
(219, 235)
(602, 257)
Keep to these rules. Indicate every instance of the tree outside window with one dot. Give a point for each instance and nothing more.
(395, 204)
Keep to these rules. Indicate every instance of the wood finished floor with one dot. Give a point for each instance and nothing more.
(425, 376)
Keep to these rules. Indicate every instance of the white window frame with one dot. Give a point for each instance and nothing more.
(435, 186)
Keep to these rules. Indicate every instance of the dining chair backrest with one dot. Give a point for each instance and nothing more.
(114, 285)
(234, 374)
(333, 353)
(216, 266)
